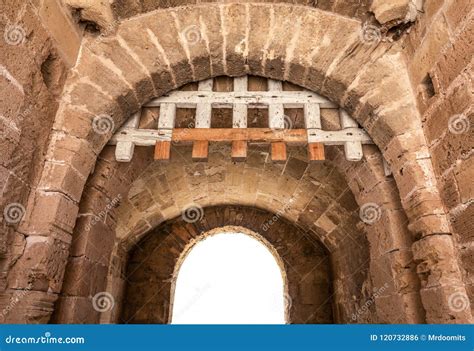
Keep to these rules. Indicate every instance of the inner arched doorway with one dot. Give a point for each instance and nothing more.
(154, 262)
(230, 278)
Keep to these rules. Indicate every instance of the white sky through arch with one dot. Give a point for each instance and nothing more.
(229, 278)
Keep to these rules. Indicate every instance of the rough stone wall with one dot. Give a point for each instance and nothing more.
(393, 290)
(38, 42)
(440, 53)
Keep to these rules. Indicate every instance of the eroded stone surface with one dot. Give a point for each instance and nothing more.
(49, 147)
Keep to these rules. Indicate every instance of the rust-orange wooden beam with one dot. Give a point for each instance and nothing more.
(316, 152)
(200, 150)
(264, 135)
(278, 152)
(239, 150)
(162, 150)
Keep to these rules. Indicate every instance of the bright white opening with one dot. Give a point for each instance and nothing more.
(229, 278)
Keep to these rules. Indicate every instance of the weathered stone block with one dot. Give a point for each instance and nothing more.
(62, 178)
(84, 277)
(74, 309)
(61, 26)
(392, 10)
(436, 260)
(41, 267)
(456, 55)
(448, 304)
(27, 306)
(48, 212)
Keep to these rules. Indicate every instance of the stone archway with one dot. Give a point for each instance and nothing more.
(127, 69)
(153, 264)
(257, 280)
(247, 285)
(160, 192)
(151, 193)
